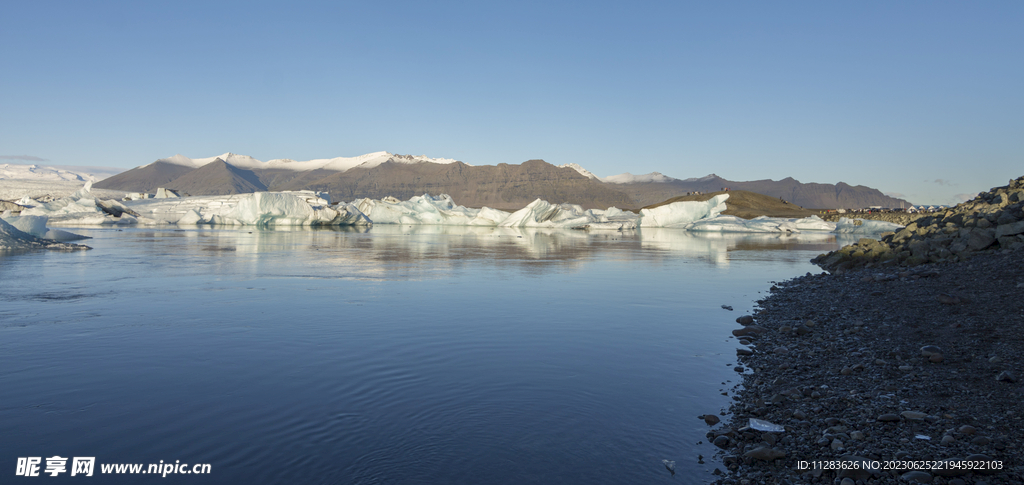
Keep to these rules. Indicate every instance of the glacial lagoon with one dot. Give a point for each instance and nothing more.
(391, 354)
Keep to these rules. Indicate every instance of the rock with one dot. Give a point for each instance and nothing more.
(848, 481)
(749, 330)
(980, 441)
(798, 414)
(744, 352)
(727, 307)
(721, 442)
(857, 435)
(738, 368)
(948, 440)
(913, 415)
(928, 350)
(1010, 229)
(711, 419)
(745, 320)
(967, 429)
(936, 358)
(947, 299)
(836, 445)
(765, 453)
(888, 418)
(917, 476)
(1006, 376)
(906, 368)
(980, 239)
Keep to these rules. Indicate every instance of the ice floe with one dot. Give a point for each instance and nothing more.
(307, 208)
(425, 209)
(14, 239)
(864, 226)
(680, 214)
(36, 226)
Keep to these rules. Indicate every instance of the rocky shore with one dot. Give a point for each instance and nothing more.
(886, 372)
(993, 220)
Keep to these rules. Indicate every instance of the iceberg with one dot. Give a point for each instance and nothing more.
(866, 226)
(12, 238)
(36, 226)
(679, 214)
(302, 208)
(541, 213)
(308, 208)
(256, 209)
(78, 208)
(425, 209)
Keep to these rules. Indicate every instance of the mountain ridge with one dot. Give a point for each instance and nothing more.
(502, 186)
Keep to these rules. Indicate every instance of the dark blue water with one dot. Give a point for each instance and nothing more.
(399, 355)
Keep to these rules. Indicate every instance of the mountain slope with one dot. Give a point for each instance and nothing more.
(501, 186)
(810, 195)
(217, 178)
(146, 178)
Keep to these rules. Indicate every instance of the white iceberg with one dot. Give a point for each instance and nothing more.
(425, 209)
(737, 224)
(78, 208)
(257, 209)
(679, 214)
(541, 213)
(865, 226)
(12, 238)
(36, 226)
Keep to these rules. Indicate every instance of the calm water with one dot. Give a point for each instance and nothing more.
(397, 355)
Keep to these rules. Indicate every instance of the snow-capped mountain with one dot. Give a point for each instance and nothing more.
(10, 171)
(628, 178)
(582, 171)
(339, 164)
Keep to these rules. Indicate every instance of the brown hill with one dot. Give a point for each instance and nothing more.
(217, 178)
(146, 178)
(748, 205)
(502, 186)
(818, 196)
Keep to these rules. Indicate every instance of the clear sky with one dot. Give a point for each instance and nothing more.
(923, 99)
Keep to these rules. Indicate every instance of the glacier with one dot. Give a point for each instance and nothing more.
(308, 208)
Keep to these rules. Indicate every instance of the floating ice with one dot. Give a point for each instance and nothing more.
(259, 209)
(425, 209)
(36, 226)
(541, 213)
(866, 226)
(736, 224)
(679, 214)
(761, 425)
(307, 208)
(12, 238)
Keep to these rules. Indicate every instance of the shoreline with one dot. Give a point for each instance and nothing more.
(900, 367)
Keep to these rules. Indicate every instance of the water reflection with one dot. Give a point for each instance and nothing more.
(388, 248)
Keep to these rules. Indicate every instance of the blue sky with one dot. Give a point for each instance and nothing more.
(923, 99)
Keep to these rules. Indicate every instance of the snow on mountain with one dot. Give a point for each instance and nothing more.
(702, 179)
(584, 172)
(42, 174)
(339, 164)
(628, 178)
